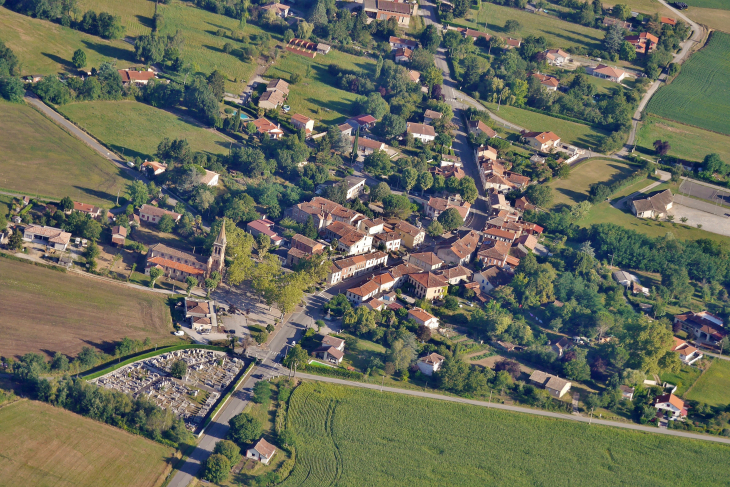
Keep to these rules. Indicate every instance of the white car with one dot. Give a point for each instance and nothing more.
(179, 333)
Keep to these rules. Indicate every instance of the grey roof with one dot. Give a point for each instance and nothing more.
(658, 202)
(622, 276)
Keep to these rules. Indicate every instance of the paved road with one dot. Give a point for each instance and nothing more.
(32, 99)
(518, 409)
(698, 34)
(218, 428)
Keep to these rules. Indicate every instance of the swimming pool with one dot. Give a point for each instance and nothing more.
(244, 116)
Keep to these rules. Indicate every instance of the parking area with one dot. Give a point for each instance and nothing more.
(713, 194)
(709, 221)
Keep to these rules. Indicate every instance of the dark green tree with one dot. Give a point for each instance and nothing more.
(450, 219)
(217, 468)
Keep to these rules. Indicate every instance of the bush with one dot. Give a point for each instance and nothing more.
(244, 428)
(229, 450)
(217, 468)
(262, 392)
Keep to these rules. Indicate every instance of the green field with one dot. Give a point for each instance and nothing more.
(573, 133)
(346, 435)
(47, 48)
(683, 379)
(201, 46)
(44, 446)
(711, 17)
(700, 95)
(718, 4)
(714, 386)
(38, 157)
(686, 142)
(316, 97)
(644, 6)
(46, 311)
(136, 129)
(558, 33)
(575, 188)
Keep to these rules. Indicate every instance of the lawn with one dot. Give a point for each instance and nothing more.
(683, 379)
(135, 129)
(558, 33)
(605, 213)
(44, 446)
(645, 6)
(700, 94)
(575, 188)
(713, 387)
(715, 4)
(201, 46)
(317, 96)
(47, 311)
(685, 141)
(47, 48)
(570, 132)
(38, 157)
(345, 435)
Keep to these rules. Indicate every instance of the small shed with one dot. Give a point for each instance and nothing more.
(262, 451)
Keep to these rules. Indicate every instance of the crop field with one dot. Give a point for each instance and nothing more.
(44, 446)
(344, 435)
(202, 47)
(47, 311)
(575, 188)
(645, 6)
(700, 95)
(135, 129)
(573, 133)
(713, 387)
(557, 32)
(711, 17)
(316, 96)
(47, 48)
(686, 142)
(38, 157)
(717, 4)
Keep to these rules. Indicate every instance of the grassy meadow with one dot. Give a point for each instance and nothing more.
(686, 141)
(700, 94)
(38, 157)
(557, 32)
(317, 96)
(345, 435)
(44, 446)
(713, 387)
(47, 48)
(46, 311)
(711, 17)
(202, 47)
(573, 133)
(575, 188)
(136, 129)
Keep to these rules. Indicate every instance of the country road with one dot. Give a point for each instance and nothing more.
(73, 130)
(518, 409)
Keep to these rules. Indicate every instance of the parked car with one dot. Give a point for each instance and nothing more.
(179, 333)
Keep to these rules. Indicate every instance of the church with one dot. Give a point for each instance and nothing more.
(178, 265)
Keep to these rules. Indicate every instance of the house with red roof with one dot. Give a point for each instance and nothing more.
(264, 226)
(643, 43)
(542, 141)
(550, 83)
(672, 406)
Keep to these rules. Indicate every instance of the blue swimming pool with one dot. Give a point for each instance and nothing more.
(245, 117)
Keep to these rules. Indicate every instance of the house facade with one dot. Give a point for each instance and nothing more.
(428, 286)
(430, 363)
(655, 206)
(51, 237)
(153, 214)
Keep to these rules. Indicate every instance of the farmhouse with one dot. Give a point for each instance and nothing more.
(54, 238)
(261, 451)
(607, 72)
(475, 34)
(556, 386)
(672, 406)
(139, 78)
(655, 206)
(643, 43)
(152, 214)
(279, 9)
(119, 234)
(430, 363)
(705, 326)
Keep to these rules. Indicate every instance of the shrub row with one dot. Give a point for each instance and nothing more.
(313, 368)
(37, 264)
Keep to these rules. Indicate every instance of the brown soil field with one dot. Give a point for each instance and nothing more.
(46, 311)
(44, 446)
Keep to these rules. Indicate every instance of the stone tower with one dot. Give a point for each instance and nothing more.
(217, 260)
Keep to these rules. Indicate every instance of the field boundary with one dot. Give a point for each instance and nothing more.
(145, 355)
(684, 123)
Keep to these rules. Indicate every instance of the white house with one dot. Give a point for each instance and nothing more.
(332, 350)
(671, 405)
(687, 353)
(542, 141)
(428, 261)
(54, 238)
(607, 72)
(261, 451)
(360, 294)
(400, 43)
(430, 363)
(301, 122)
(279, 9)
(423, 318)
(210, 179)
(355, 186)
(556, 57)
(556, 386)
(657, 205)
(421, 131)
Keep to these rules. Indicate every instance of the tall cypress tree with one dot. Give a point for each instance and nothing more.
(354, 147)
